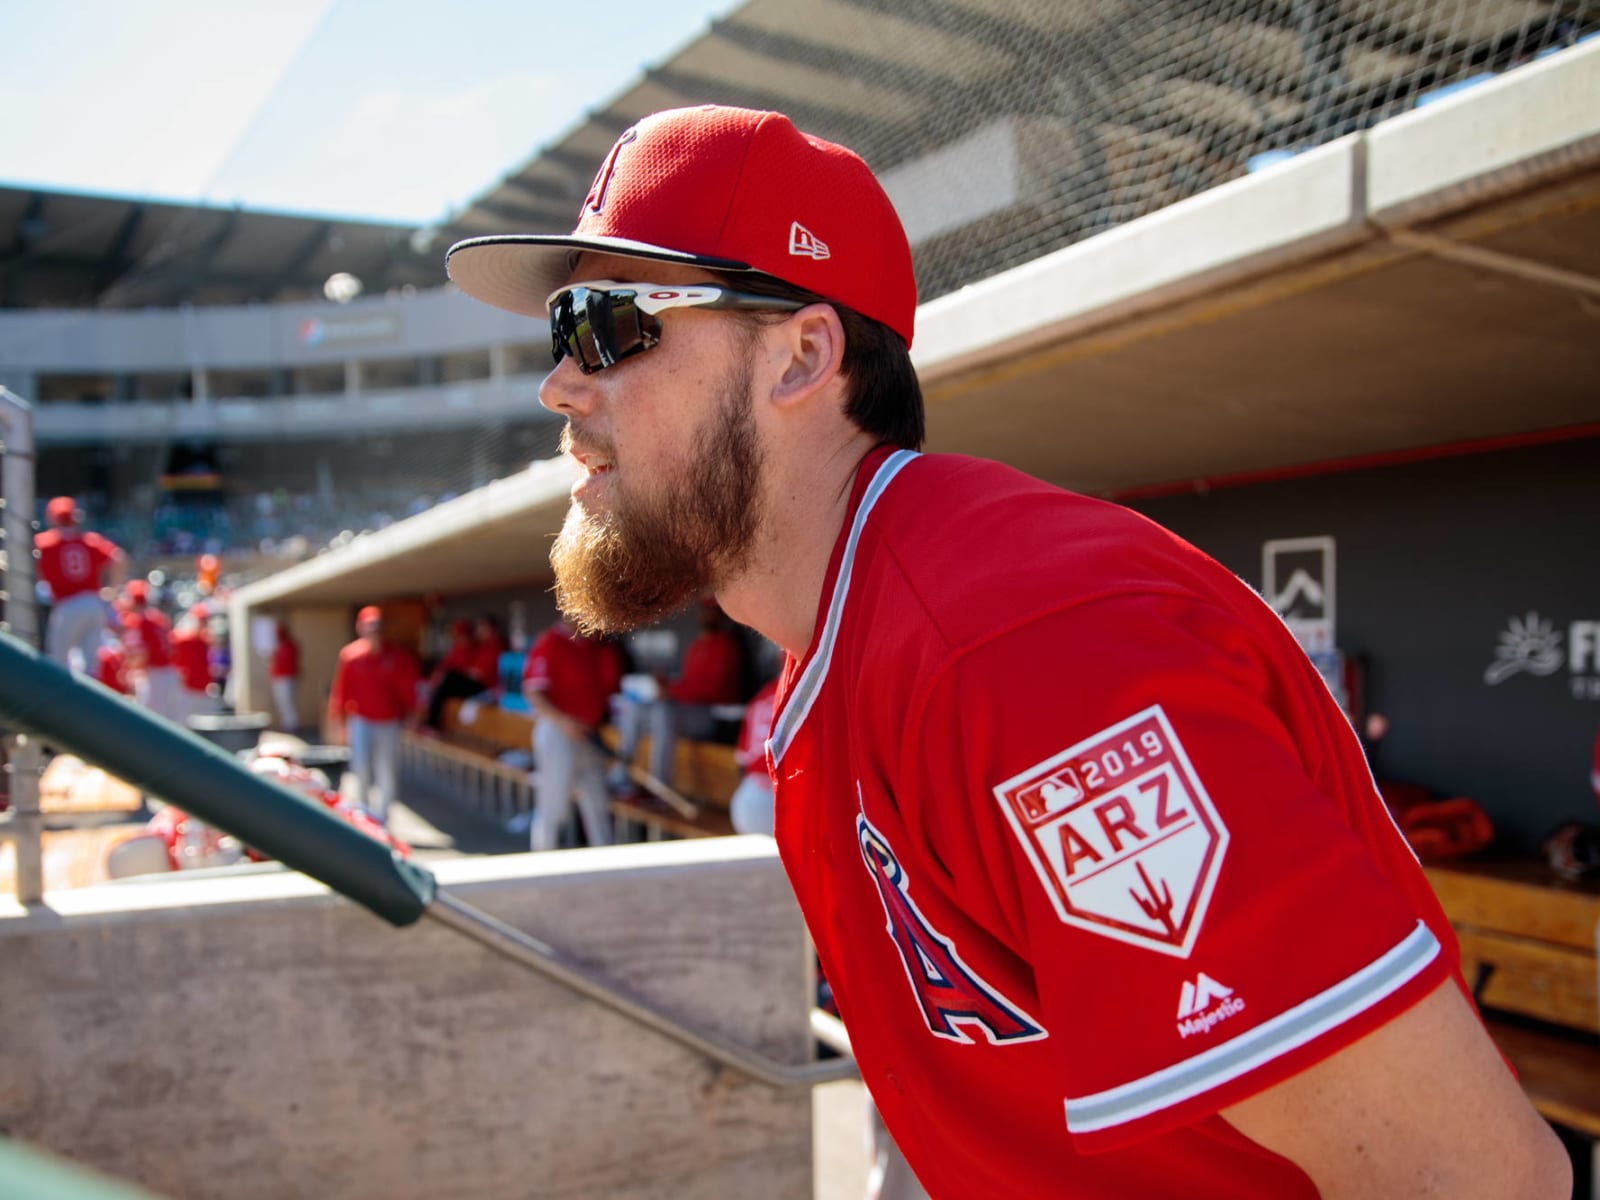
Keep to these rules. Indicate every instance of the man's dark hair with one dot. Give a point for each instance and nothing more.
(882, 393)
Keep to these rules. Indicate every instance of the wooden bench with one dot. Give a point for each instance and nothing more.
(472, 737)
(465, 760)
(1528, 951)
(72, 858)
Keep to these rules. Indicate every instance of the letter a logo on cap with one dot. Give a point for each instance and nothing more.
(805, 244)
(596, 200)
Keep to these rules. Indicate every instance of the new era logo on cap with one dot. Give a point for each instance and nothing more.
(805, 244)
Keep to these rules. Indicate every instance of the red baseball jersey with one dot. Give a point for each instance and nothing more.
(1086, 847)
(751, 753)
(148, 637)
(72, 562)
(710, 672)
(457, 657)
(575, 674)
(285, 659)
(484, 661)
(110, 662)
(378, 685)
(191, 656)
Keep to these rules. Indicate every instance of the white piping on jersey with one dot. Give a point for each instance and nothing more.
(805, 692)
(1327, 1010)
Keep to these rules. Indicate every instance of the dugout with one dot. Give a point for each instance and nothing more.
(1391, 340)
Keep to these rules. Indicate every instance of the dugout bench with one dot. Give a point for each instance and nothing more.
(465, 756)
(1528, 943)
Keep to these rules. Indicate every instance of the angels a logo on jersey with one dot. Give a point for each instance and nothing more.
(1122, 834)
(952, 996)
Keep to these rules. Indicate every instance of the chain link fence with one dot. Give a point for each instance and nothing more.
(1017, 127)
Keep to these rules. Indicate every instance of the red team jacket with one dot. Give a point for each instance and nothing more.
(710, 672)
(484, 662)
(190, 655)
(148, 636)
(285, 659)
(110, 667)
(376, 685)
(71, 562)
(575, 674)
(751, 752)
(1086, 847)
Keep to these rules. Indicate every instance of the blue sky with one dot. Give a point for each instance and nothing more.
(387, 109)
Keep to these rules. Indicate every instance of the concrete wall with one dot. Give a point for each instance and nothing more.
(257, 1037)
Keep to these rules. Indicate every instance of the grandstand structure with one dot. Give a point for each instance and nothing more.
(1184, 255)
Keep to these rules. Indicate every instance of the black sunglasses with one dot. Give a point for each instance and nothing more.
(601, 323)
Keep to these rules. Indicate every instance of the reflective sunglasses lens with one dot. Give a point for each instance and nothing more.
(600, 328)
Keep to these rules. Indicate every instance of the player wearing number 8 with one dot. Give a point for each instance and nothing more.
(75, 564)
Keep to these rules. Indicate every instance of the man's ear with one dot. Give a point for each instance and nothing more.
(812, 349)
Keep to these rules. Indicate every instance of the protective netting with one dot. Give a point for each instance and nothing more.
(1004, 129)
(1009, 128)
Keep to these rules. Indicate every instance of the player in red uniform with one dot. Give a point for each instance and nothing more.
(750, 807)
(452, 677)
(111, 666)
(1094, 865)
(568, 680)
(710, 677)
(75, 564)
(374, 690)
(487, 647)
(147, 637)
(191, 659)
(284, 673)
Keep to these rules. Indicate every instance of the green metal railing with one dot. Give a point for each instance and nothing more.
(47, 702)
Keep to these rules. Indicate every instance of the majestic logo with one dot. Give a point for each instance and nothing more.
(950, 994)
(1122, 834)
(1531, 644)
(805, 244)
(1203, 1003)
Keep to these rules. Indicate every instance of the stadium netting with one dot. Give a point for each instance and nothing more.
(1005, 129)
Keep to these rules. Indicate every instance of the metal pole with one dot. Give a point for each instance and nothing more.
(22, 621)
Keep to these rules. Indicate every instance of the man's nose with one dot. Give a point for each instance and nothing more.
(567, 390)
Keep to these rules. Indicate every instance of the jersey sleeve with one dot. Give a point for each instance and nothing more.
(1117, 795)
(104, 549)
(537, 669)
(336, 697)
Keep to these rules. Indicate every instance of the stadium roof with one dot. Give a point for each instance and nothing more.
(1102, 118)
(72, 250)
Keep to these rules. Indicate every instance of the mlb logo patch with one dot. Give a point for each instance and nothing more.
(1122, 834)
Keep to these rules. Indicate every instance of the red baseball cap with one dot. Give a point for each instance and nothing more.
(729, 189)
(62, 510)
(138, 591)
(370, 613)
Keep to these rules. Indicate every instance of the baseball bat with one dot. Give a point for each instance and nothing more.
(666, 793)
